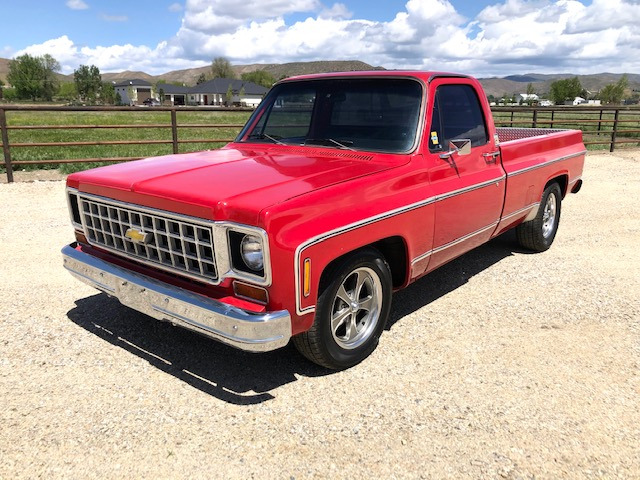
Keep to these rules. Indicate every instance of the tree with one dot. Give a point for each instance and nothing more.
(26, 75)
(107, 93)
(130, 94)
(68, 91)
(88, 82)
(259, 77)
(614, 92)
(565, 90)
(1, 85)
(201, 79)
(34, 77)
(10, 94)
(229, 96)
(530, 89)
(221, 68)
(50, 84)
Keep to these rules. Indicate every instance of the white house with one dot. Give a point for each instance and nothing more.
(133, 92)
(214, 92)
(526, 98)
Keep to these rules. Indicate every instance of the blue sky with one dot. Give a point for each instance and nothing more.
(484, 37)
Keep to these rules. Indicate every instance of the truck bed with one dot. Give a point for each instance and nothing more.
(509, 134)
(530, 158)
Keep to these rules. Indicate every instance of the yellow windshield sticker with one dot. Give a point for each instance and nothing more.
(434, 138)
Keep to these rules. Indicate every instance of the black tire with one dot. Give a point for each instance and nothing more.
(364, 318)
(538, 234)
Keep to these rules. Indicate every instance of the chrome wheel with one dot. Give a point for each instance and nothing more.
(549, 216)
(356, 308)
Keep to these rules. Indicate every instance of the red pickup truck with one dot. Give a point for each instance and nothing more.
(340, 189)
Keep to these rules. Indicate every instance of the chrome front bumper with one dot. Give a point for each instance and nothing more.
(254, 332)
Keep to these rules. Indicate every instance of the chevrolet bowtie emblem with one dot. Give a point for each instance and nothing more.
(138, 236)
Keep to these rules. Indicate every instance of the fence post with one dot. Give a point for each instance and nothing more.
(553, 112)
(174, 130)
(535, 119)
(5, 145)
(614, 132)
(511, 124)
(600, 121)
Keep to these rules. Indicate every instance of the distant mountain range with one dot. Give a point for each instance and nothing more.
(542, 83)
(495, 86)
(189, 76)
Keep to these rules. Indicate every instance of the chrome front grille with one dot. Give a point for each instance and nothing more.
(178, 244)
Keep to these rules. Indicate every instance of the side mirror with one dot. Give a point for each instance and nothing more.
(461, 146)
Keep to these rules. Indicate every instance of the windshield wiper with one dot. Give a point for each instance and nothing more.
(330, 141)
(262, 136)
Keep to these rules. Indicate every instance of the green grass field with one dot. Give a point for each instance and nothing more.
(594, 127)
(145, 117)
(568, 119)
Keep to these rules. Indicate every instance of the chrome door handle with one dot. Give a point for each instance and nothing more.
(491, 157)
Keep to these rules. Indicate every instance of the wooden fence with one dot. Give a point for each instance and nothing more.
(173, 125)
(609, 126)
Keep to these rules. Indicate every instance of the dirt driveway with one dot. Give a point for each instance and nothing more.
(500, 364)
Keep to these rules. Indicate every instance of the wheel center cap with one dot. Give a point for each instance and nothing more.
(353, 307)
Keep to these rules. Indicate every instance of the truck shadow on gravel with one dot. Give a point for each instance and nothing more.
(453, 275)
(243, 378)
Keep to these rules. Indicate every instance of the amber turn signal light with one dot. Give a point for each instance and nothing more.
(306, 279)
(250, 292)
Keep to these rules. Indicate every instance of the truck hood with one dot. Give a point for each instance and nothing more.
(227, 184)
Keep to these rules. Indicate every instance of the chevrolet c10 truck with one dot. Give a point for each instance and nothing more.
(340, 189)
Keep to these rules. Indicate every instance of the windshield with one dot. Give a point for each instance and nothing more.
(380, 114)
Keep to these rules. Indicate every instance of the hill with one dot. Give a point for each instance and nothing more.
(4, 69)
(126, 75)
(542, 83)
(496, 86)
(277, 70)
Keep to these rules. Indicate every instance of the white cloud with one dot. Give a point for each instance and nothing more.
(77, 5)
(160, 59)
(511, 36)
(175, 7)
(603, 15)
(214, 17)
(337, 11)
(114, 18)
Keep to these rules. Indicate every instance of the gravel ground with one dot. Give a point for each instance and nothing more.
(500, 364)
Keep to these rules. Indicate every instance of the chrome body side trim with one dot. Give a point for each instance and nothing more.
(520, 211)
(254, 332)
(453, 243)
(367, 221)
(477, 186)
(352, 226)
(544, 164)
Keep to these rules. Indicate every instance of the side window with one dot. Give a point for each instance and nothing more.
(460, 115)
(435, 131)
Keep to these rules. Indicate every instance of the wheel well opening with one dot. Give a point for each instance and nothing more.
(562, 181)
(394, 251)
